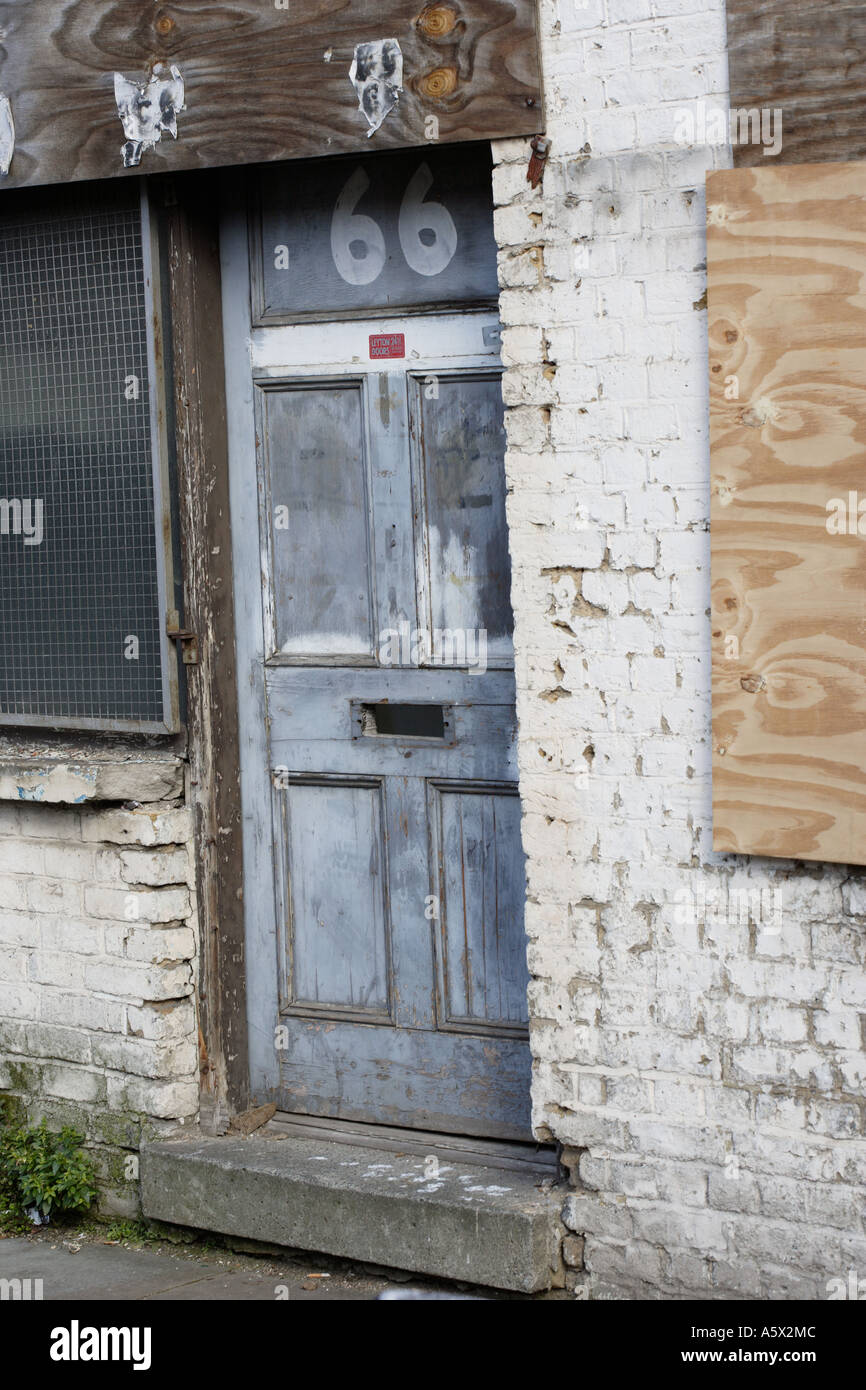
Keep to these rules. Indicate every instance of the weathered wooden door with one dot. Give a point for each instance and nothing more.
(384, 872)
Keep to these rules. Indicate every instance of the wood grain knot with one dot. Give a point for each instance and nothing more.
(440, 83)
(437, 21)
(753, 684)
(164, 24)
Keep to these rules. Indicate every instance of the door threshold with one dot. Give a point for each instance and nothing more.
(541, 1159)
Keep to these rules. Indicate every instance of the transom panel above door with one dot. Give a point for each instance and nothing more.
(384, 870)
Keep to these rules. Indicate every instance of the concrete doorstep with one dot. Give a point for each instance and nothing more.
(452, 1220)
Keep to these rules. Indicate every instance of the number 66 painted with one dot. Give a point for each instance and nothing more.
(357, 242)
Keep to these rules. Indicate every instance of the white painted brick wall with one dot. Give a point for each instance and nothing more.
(706, 1070)
(97, 960)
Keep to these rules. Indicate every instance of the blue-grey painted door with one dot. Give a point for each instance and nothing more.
(384, 878)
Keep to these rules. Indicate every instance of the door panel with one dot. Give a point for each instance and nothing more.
(316, 468)
(458, 432)
(338, 918)
(480, 922)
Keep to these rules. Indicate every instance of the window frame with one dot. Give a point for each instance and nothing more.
(163, 512)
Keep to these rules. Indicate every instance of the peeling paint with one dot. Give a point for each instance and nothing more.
(148, 110)
(75, 783)
(377, 76)
(7, 135)
(31, 793)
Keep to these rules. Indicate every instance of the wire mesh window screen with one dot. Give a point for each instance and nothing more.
(79, 579)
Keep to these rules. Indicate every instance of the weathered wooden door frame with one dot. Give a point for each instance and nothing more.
(188, 209)
(201, 428)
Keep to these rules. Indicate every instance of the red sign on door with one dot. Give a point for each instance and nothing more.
(387, 345)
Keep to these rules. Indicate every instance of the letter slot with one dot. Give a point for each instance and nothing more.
(382, 719)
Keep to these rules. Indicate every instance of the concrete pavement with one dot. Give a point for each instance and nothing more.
(79, 1266)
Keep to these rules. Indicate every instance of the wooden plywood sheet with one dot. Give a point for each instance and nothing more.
(805, 58)
(787, 327)
(261, 80)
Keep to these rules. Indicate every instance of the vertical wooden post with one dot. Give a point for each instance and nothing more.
(191, 228)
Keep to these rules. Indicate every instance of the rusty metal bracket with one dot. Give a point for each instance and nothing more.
(537, 160)
(188, 640)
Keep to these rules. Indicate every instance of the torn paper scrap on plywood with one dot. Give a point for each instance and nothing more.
(7, 135)
(148, 110)
(377, 76)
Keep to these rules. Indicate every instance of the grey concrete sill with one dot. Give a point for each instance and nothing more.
(478, 1224)
(68, 781)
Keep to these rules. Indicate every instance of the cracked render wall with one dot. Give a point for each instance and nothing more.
(97, 953)
(698, 1019)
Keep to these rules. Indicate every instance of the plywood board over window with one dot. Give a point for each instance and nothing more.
(98, 87)
(787, 326)
(801, 59)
